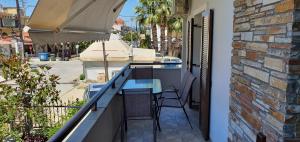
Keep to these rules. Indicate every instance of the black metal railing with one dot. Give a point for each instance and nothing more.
(58, 113)
(92, 104)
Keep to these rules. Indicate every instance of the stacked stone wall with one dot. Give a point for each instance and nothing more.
(265, 92)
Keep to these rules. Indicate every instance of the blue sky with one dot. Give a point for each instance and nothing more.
(128, 9)
(12, 3)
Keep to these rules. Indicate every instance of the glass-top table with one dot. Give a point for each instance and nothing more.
(155, 84)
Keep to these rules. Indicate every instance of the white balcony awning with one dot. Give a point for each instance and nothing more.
(55, 21)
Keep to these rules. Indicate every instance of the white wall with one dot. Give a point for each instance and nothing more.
(221, 69)
(93, 69)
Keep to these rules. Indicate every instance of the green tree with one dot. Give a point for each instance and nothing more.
(141, 20)
(174, 30)
(130, 36)
(21, 104)
(147, 15)
(163, 12)
(158, 12)
(84, 45)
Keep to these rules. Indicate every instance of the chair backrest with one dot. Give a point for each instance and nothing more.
(138, 103)
(187, 87)
(144, 72)
(183, 81)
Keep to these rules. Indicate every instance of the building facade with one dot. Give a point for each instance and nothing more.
(9, 28)
(8, 18)
(250, 49)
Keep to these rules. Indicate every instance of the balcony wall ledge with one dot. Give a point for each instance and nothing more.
(85, 126)
(105, 122)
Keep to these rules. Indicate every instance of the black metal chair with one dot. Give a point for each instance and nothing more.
(182, 83)
(146, 72)
(138, 105)
(177, 98)
(142, 72)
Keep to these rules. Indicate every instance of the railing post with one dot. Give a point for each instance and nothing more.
(94, 108)
(113, 85)
(261, 137)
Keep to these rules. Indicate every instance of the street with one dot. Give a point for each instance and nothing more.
(68, 71)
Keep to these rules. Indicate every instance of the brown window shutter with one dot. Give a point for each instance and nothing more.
(205, 76)
(190, 43)
(188, 46)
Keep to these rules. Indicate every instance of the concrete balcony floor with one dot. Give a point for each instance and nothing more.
(174, 127)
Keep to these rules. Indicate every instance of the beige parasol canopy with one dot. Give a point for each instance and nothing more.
(116, 50)
(55, 21)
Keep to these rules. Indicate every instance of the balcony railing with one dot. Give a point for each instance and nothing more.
(105, 106)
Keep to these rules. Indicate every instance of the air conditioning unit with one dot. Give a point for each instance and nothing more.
(180, 7)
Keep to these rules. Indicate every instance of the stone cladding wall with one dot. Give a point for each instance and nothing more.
(265, 82)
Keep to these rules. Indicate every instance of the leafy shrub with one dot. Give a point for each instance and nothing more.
(127, 36)
(84, 45)
(82, 77)
(33, 88)
(70, 113)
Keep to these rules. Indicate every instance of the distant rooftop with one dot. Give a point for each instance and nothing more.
(120, 21)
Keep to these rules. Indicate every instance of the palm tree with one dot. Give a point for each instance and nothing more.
(174, 26)
(147, 16)
(163, 11)
(141, 17)
(158, 12)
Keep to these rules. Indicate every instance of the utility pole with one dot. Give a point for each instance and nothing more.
(24, 6)
(105, 61)
(63, 51)
(19, 19)
(133, 43)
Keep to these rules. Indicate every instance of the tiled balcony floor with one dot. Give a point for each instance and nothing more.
(174, 128)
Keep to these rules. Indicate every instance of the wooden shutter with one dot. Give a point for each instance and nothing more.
(190, 44)
(205, 75)
(190, 55)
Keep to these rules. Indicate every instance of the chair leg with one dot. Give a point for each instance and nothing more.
(122, 132)
(159, 108)
(154, 128)
(125, 114)
(155, 124)
(126, 126)
(156, 111)
(187, 117)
